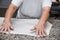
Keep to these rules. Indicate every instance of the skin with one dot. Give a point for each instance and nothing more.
(40, 31)
(39, 28)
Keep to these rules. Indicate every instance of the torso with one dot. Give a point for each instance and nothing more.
(32, 8)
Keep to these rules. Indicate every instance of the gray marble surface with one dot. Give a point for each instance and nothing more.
(54, 34)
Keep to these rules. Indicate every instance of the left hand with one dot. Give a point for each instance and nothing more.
(39, 28)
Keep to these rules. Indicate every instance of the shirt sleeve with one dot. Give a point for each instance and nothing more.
(16, 2)
(46, 3)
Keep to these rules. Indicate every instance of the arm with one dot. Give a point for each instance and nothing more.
(12, 8)
(7, 26)
(10, 11)
(40, 30)
(46, 5)
(45, 15)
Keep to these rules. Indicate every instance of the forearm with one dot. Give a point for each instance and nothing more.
(44, 18)
(45, 15)
(9, 13)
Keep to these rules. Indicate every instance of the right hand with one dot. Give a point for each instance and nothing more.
(6, 27)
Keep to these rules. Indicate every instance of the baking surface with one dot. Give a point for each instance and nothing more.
(24, 26)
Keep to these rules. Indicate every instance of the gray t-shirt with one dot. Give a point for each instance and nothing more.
(32, 8)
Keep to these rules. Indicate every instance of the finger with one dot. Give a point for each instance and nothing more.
(2, 29)
(40, 33)
(11, 27)
(37, 33)
(8, 29)
(2, 25)
(5, 29)
(45, 33)
(33, 29)
(35, 26)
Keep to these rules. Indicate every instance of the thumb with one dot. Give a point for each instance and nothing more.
(33, 29)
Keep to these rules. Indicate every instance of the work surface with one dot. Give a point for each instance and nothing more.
(54, 34)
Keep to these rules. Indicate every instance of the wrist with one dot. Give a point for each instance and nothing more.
(42, 22)
(6, 20)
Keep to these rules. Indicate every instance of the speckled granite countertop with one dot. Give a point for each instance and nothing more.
(54, 34)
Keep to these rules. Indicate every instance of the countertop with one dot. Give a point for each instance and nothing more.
(54, 34)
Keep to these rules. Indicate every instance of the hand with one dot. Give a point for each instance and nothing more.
(40, 31)
(6, 27)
